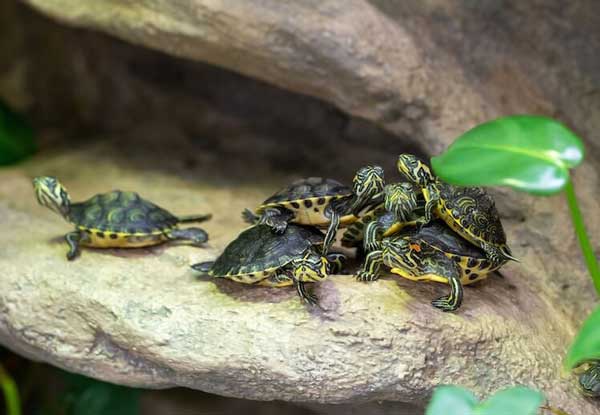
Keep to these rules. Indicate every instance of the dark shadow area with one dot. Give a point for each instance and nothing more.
(146, 107)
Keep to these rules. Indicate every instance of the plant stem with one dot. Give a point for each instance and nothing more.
(11, 394)
(584, 242)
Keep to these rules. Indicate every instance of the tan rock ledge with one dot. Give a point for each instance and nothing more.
(143, 318)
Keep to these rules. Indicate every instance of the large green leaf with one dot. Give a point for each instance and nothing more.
(526, 152)
(16, 137)
(514, 401)
(451, 400)
(586, 346)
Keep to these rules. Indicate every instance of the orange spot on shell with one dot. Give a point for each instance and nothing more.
(415, 247)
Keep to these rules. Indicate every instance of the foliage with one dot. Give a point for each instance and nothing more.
(454, 400)
(86, 396)
(17, 139)
(529, 153)
(11, 394)
(532, 154)
(586, 346)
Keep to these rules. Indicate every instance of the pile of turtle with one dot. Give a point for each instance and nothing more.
(421, 229)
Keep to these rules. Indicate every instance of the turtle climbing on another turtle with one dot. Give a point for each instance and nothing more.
(316, 201)
(432, 252)
(260, 256)
(385, 219)
(116, 219)
(470, 211)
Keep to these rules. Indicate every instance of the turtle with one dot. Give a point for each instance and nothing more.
(116, 219)
(380, 221)
(431, 252)
(317, 201)
(589, 379)
(470, 211)
(261, 257)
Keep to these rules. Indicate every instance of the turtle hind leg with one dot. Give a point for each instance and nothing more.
(203, 267)
(249, 217)
(195, 235)
(74, 239)
(194, 218)
(452, 301)
(498, 255)
(276, 219)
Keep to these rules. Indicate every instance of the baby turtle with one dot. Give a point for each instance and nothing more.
(259, 256)
(589, 380)
(432, 252)
(316, 201)
(381, 221)
(115, 219)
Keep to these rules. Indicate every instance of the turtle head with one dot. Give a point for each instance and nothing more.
(589, 381)
(309, 268)
(50, 193)
(367, 183)
(414, 170)
(404, 252)
(401, 199)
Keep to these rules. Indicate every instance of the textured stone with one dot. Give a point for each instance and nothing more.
(195, 138)
(143, 318)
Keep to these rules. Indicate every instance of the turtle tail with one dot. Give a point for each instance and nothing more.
(194, 218)
(249, 217)
(508, 254)
(203, 267)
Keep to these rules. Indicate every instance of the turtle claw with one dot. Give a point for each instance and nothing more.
(444, 304)
(366, 276)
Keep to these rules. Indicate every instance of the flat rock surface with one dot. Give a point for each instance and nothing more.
(143, 318)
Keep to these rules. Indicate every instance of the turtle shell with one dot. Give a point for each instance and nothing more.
(119, 211)
(312, 187)
(438, 235)
(258, 249)
(473, 210)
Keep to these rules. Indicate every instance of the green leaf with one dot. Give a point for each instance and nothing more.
(88, 396)
(11, 393)
(451, 400)
(16, 137)
(526, 152)
(586, 346)
(514, 401)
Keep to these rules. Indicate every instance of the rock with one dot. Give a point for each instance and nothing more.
(143, 318)
(424, 69)
(197, 138)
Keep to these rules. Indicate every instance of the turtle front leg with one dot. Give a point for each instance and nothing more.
(452, 301)
(371, 267)
(334, 225)
(195, 235)
(430, 205)
(370, 242)
(73, 239)
(276, 219)
(306, 296)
